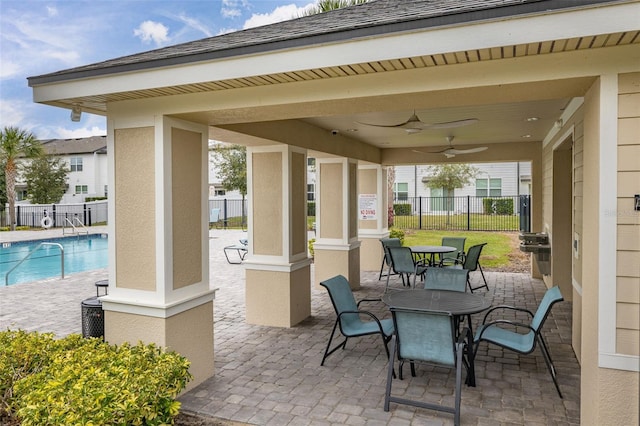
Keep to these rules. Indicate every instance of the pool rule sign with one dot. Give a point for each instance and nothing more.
(367, 206)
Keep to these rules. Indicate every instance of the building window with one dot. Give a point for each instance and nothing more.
(220, 193)
(489, 187)
(106, 191)
(21, 194)
(82, 189)
(311, 192)
(76, 164)
(401, 191)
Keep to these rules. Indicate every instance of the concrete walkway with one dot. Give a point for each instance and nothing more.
(272, 376)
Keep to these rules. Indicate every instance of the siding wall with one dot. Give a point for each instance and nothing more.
(628, 220)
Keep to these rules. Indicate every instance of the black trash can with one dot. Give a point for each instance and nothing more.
(92, 318)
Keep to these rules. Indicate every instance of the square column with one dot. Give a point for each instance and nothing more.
(278, 268)
(158, 240)
(372, 215)
(337, 249)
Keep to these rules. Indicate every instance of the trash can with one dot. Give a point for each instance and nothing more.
(104, 285)
(92, 318)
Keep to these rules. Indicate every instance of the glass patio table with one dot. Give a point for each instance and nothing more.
(457, 303)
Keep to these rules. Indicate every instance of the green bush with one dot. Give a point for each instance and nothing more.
(87, 381)
(502, 206)
(311, 241)
(397, 233)
(311, 208)
(402, 209)
(94, 199)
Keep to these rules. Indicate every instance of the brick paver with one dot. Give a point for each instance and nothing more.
(272, 376)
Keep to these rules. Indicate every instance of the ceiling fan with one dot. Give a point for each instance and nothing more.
(451, 152)
(415, 125)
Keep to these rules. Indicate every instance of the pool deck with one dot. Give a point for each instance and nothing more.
(272, 376)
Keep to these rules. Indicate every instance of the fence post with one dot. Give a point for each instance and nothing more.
(53, 215)
(89, 217)
(224, 211)
(468, 213)
(420, 212)
(84, 213)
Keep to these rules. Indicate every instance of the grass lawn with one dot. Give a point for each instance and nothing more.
(497, 253)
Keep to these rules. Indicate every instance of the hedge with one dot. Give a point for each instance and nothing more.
(402, 209)
(502, 206)
(87, 381)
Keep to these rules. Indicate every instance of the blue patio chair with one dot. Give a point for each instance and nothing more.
(504, 332)
(472, 263)
(429, 337)
(456, 256)
(446, 279)
(386, 262)
(349, 316)
(403, 264)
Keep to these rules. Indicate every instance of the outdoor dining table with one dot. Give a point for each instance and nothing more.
(431, 251)
(458, 304)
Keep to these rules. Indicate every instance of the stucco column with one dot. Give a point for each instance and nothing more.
(278, 268)
(158, 240)
(337, 249)
(372, 215)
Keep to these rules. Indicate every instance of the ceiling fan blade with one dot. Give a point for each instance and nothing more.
(415, 125)
(466, 151)
(452, 124)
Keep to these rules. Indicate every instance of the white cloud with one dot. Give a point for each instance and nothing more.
(279, 14)
(233, 8)
(83, 132)
(12, 112)
(52, 11)
(196, 25)
(9, 68)
(152, 31)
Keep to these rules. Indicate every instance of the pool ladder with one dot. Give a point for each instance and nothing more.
(75, 230)
(6, 277)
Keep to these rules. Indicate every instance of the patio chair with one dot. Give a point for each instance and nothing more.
(472, 263)
(446, 279)
(403, 264)
(429, 337)
(240, 249)
(456, 256)
(387, 242)
(505, 333)
(349, 316)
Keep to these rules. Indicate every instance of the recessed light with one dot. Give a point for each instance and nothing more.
(526, 136)
(532, 119)
(352, 130)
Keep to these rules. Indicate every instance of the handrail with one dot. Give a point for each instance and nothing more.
(6, 277)
(75, 229)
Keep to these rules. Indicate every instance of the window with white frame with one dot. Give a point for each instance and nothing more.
(400, 191)
(82, 189)
(489, 187)
(311, 192)
(76, 164)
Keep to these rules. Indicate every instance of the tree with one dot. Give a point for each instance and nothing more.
(231, 168)
(46, 179)
(327, 5)
(15, 143)
(449, 177)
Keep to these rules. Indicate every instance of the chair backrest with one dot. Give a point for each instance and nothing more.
(473, 255)
(389, 242)
(425, 336)
(401, 260)
(446, 279)
(457, 242)
(342, 299)
(214, 215)
(551, 297)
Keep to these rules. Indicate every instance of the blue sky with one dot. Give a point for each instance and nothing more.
(38, 37)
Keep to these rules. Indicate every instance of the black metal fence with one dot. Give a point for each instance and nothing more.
(233, 213)
(464, 213)
(57, 215)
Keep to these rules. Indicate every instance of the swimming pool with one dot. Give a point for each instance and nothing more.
(83, 253)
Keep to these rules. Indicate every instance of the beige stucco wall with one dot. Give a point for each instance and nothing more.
(189, 330)
(368, 184)
(186, 193)
(134, 198)
(267, 203)
(353, 201)
(298, 203)
(331, 200)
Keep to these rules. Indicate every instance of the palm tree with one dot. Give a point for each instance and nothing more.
(327, 5)
(15, 143)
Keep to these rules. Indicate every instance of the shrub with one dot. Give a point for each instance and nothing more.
(311, 208)
(87, 381)
(402, 209)
(397, 233)
(311, 241)
(503, 206)
(88, 199)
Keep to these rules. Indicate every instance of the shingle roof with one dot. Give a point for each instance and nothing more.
(90, 145)
(376, 17)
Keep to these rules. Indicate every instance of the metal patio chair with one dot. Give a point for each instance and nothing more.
(504, 332)
(428, 337)
(404, 264)
(387, 242)
(350, 317)
(446, 279)
(472, 263)
(456, 256)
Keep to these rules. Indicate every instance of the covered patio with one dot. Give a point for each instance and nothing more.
(272, 376)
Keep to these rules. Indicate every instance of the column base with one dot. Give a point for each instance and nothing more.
(278, 295)
(371, 253)
(331, 260)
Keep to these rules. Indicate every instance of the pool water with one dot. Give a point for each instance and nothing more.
(83, 253)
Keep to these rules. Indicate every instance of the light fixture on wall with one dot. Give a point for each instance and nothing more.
(76, 113)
